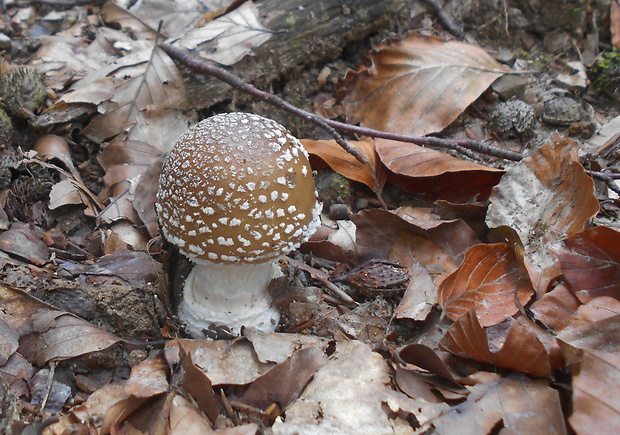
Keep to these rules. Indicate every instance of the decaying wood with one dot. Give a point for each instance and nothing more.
(305, 32)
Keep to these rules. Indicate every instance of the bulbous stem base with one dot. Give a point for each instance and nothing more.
(229, 295)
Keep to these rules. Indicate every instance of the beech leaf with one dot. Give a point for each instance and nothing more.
(522, 349)
(591, 263)
(544, 198)
(418, 85)
(489, 280)
(373, 174)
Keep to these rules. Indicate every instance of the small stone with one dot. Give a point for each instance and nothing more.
(509, 86)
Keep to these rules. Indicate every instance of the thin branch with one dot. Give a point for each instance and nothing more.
(204, 66)
(445, 19)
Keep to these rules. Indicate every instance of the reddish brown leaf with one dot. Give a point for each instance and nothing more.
(596, 394)
(378, 230)
(591, 263)
(373, 174)
(544, 198)
(416, 161)
(522, 348)
(418, 85)
(555, 308)
(591, 344)
(489, 280)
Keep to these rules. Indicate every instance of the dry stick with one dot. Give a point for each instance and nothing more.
(445, 19)
(204, 66)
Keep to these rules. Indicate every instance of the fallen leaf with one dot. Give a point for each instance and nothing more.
(185, 419)
(522, 349)
(146, 90)
(23, 243)
(148, 378)
(418, 85)
(355, 406)
(56, 335)
(490, 280)
(590, 344)
(555, 308)
(515, 403)
(378, 230)
(591, 263)
(284, 383)
(544, 198)
(373, 174)
(228, 38)
(198, 385)
(223, 363)
(416, 161)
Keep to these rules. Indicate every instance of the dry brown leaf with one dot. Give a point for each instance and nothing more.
(378, 230)
(591, 263)
(222, 363)
(596, 394)
(198, 384)
(517, 404)
(229, 37)
(416, 161)
(373, 174)
(148, 378)
(349, 393)
(490, 280)
(185, 419)
(57, 335)
(544, 198)
(418, 85)
(25, 244)
(146, 94)
(429, 265)
(284, 383)
(522, 349)
(125, 162)
(555, 308)
(590, 344)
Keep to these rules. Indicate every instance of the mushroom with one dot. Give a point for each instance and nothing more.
(236, 193)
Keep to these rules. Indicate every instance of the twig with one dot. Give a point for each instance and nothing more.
(445, 19)
(204, 66)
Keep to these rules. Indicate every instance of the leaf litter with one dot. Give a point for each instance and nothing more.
(445, 317)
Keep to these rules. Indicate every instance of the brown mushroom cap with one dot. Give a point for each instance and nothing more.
(237, 187)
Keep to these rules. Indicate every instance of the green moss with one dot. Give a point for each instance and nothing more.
(604, 73)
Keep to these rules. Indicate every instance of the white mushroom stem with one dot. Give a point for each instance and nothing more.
(231, 295)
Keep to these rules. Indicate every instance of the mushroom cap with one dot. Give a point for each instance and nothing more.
(237, 187)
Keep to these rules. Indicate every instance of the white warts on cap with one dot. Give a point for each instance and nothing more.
(260, 183)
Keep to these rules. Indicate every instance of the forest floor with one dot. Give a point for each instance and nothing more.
(466, 275)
